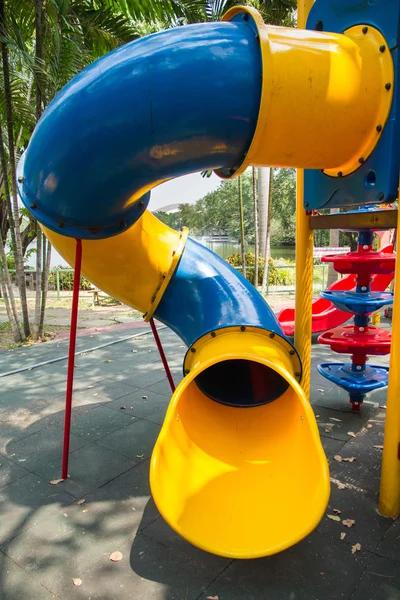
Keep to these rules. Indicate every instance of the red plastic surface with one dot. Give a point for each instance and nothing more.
(324, 314)
(362, 263)
(350, 340)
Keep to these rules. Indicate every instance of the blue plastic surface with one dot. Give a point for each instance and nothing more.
(206, 293)
(362, 303)
(321, 191)
(359, 382)
(173, 103)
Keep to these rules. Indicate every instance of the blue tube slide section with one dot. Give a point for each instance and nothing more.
(206, 293)
(173, 103)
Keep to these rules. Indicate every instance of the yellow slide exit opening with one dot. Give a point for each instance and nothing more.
(240, 482)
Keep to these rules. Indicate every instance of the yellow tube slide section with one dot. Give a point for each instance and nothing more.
(135, 266)
(240, 482)
(323, 97)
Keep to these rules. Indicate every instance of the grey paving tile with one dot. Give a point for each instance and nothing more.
(151, 572)
(92, 423)
(318, 568)
(40, 448)
(390, 545)
(331, 446)
(135, 441)
(146, 377)
(152, 407)
(365, 471)
(223, 589)
(89, 468)
(369, 527)
(16, 584)
(66, 545)
(336, 424)
(163, 387)
(27, 501)
(160, 531)
(9, 471)
(381, 581)
(127, 498)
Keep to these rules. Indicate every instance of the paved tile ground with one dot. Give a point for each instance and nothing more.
(48, 537)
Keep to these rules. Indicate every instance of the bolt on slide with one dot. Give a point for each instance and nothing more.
(238, 468)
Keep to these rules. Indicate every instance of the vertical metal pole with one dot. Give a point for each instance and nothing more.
(58, 283)
(389, 499)
(162, 355)
(71, 359)
(304, 257)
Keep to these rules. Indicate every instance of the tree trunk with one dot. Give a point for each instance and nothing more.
(19, 258)
(45, 281)
(334, 243)
(256, 240)
(8, 296)
(268, 211)
(264, 178)
(242, 246)
(36, 321)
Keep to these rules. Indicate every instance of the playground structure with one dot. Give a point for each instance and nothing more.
(239, 441)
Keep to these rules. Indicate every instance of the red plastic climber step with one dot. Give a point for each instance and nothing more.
(350, 339)
(362, 263)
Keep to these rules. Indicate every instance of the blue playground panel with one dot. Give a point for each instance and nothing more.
(369, 378)
(359, 303)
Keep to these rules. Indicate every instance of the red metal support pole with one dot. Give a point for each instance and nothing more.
(71, 359)
(162, 354)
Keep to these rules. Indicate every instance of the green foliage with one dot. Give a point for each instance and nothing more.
(66, 279)
(218, 212)
(280, 271)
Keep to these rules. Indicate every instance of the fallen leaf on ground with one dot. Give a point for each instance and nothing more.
(320, 390)
(350, 459)
(86, 510)
(89, 386)
(116, 556)
(351, 433)
(134, 351)
(382, 406)
(355, 548)
(77, 581)
(56, 481)
(369, 426)
(333, 517)
(144, 397)
(328, 429)
(337, 511)
(379, 447)
(81, 501)
(337, 457)
(108, 360)
(96, 394)
(139, 455)
(348, 522)
(334, 419)
(212, 598)
(343, 535)
(122, 408)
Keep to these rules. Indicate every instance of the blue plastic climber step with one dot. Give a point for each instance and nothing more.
(367, 379)
(362, 303)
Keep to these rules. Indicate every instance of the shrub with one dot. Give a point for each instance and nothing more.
(66, 278)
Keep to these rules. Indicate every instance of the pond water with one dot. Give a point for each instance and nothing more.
(225, 249)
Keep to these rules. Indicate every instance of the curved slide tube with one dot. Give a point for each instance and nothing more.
(326, 316)
(238, 468)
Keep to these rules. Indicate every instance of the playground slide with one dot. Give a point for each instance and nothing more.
(326, 316)
(238, 468)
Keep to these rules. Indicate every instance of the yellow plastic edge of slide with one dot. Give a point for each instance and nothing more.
(378, 75)
(232, 340)
(265, 95)
(159, 292)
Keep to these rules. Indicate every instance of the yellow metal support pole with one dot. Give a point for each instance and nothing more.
(389, 500)
(304, 257)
